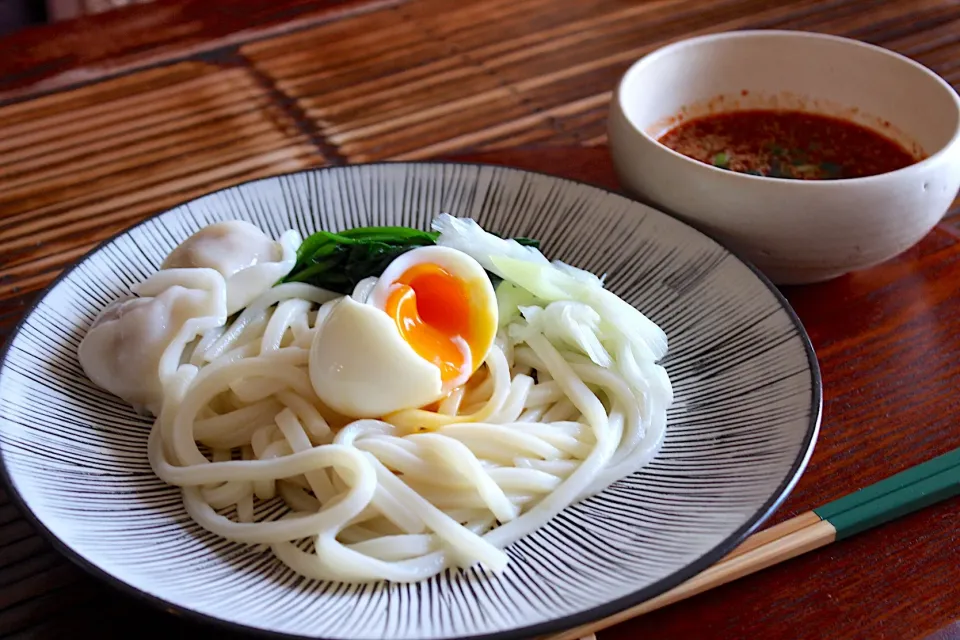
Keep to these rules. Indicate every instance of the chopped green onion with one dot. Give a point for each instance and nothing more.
(832, 169)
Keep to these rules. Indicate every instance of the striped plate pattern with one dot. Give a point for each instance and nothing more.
(742, 428)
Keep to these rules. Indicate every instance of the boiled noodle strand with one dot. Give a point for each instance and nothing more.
(401, 498)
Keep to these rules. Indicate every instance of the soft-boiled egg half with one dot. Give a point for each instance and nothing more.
(425, 327)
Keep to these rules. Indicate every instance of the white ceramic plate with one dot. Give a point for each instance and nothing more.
(741, 430)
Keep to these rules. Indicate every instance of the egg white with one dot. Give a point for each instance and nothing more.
(361, 367)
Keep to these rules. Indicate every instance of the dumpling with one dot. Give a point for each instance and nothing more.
(228, 247)
(136, 343)
(250, 260)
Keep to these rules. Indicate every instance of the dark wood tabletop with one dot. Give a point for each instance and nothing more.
(109, 119)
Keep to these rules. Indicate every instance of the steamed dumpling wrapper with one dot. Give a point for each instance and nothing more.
(249, 260)
(136, 343)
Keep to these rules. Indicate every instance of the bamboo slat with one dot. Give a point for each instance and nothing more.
(86, 163)
(433, 77)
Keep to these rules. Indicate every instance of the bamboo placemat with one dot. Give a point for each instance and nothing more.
(414, 80)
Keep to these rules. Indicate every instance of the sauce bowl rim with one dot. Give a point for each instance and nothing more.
(660, 52)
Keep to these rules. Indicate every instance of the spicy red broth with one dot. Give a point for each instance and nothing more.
(787, 144)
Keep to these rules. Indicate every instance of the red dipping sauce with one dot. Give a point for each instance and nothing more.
(788, 144)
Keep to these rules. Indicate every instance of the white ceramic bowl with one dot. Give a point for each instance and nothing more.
(795, 231)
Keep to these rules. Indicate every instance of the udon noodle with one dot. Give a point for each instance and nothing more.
(262, 460)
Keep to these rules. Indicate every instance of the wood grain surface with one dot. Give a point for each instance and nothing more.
(94, 47)
(109, 119)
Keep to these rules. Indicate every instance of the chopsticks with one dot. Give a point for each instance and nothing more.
(905, 492)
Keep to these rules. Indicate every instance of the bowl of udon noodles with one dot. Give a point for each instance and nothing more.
(406, 400)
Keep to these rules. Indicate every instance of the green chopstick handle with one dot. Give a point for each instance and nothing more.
(941, 486)
(900, 494)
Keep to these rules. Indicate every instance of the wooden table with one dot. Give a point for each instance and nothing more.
(110, 119)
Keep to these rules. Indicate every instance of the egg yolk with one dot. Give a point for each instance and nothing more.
(431, 308)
